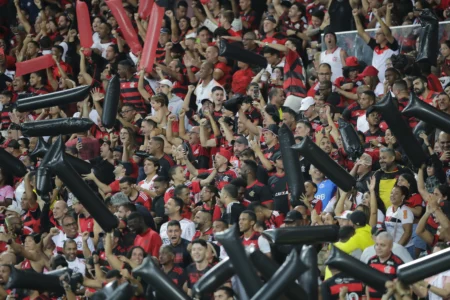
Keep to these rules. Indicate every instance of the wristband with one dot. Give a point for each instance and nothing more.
(9, 242)
(428, 286)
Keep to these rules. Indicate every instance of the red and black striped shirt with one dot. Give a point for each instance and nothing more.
(130, 93)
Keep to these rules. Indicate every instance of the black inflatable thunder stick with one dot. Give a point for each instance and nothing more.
(54, 160)
(291, 164)
(325, 164)
(401, 130)
(53, 99)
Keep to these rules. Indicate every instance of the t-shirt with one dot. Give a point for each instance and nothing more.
(325, 191)
(395, 220)
(187, 231)
(149, 241)
(59, 240)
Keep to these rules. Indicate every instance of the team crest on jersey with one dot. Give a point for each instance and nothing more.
(252, 193)
(334, 58)
(387, 269)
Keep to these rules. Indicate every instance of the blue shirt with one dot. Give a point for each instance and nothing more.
(325, 191)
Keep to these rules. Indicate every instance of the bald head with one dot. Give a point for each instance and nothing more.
(383, 245)
(60, 209)
(444, 141)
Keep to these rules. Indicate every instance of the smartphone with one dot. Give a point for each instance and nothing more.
(255, 92)
(79, 140)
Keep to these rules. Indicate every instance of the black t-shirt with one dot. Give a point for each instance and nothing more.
(193, 275)
(232, 213)
(165, 163)
(279, 189)
(158, 206)
(258, 192)
(182, 256)
(330, 288)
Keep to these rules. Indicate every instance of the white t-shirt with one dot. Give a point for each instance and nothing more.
(102, 47)
(204, 92)
(397, 249)
(77, 266)
(148, 185)
(394, 222)
(187, 231)
(93, 115)
(59, 240)
(334, 60)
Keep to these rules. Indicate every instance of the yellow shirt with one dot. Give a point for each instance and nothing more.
(360, 240)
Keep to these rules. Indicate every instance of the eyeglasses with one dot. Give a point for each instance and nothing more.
(74, 224)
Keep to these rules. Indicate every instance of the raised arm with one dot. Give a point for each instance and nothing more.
(361, 32)
(387, 32)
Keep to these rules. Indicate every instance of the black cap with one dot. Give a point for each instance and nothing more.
(276, 155)
(271, 19)
(272, 128)
(376, 230)
(293, 216)
(127, 166)
(118, 149)
(358, 218)
(370, 110)
(206, 99)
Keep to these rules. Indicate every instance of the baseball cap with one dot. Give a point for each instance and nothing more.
(276, 155)
(351, 62)
(164, 30)
(271, 19)
(225, 153)
(370, 110)
(166, 82)
(307, 103)
(118, 149)
(365, 159)
(345, 215)
(369, 71)
(127, 166)
(293, 216)
(358, 218)
(272, 128)
(241, 140)
(206, 99)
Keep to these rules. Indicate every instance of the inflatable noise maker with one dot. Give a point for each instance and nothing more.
(81, 166)
(267, 267)
(54, 99)
(152, 36)
(283, 277)
(357, 269)
(234, 52)
(427, 113)
(302, 235)
(429, 37)
(151, 274)
(401, 130)
(56, 127)
(234, 103)
(214, 278)
(145, 8)
(126, 27)
(54, 160)
(34, 65)
(125, 291)
(352, 144)
(309, 278)
(84, 25)
(19, 279)
(231, 241)
(424, 267)
(111, 103)
(291, 163)
(12, 163)
(422, 127)
(325, 164)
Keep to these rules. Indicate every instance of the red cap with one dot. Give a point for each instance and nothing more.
(225, 153)
(351, 61)
(369, 71)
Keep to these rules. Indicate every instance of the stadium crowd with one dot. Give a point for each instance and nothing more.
(178, 167)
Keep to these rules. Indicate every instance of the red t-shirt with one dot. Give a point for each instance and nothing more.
(150, 241)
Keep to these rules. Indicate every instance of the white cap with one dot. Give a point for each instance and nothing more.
(166, 82)
(306, 103)
(345, 215)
